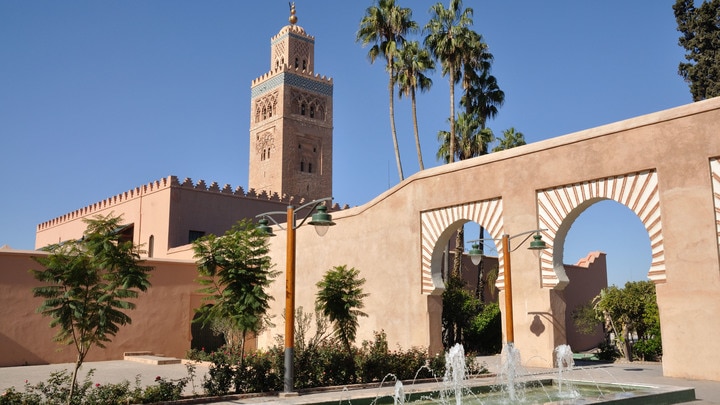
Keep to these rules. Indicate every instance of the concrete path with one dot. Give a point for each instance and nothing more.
(706, 392)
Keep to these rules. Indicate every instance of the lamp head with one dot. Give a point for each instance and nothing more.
(537, 243)
(475, 254)
(264, 227)
(321, 220)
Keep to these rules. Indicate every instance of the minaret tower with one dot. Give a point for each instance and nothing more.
(291, 121)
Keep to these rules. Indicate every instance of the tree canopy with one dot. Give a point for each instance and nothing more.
(630, 318)
(89, 285)
(340, 298)
(236, 270)
(700, 29)
(385, 25)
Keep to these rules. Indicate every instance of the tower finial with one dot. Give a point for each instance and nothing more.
(293, 18)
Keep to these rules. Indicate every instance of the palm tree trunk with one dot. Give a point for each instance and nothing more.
(459, 242)
(480, 289)
(415, 127)
(391, 86)
(452, 114)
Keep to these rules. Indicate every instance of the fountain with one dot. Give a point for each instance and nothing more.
(513, 387)
(564, 362)
(509, 371)
(455, 371)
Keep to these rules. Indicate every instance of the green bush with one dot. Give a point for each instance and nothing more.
(648, 349)
(607, 351)
(57, 388)
(198, 355)
(219, 379)
(259, 373)
(165, 390)
(484, 336)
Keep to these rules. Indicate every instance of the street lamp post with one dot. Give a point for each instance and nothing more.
(321, 220)
(476, 255)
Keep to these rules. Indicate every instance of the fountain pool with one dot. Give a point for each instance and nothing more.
(542, 391)
(516, 386)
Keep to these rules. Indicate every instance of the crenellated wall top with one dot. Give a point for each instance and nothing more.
(173, 182)
(291, 70)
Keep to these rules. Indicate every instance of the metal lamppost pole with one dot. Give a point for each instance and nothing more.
(476, 255)
(321, 220)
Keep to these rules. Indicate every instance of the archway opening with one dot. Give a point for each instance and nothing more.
(470, 312)
(204, 338)
(612, 228)
(608, 248)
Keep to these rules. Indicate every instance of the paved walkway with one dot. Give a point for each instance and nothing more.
(706, 392)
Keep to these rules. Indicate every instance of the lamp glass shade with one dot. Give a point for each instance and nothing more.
(537, 243)
(321, 220)
(475, 254)
(264, 227)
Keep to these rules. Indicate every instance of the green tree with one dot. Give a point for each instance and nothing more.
(90, 283)
(385, 25)
(340, 298)
(626, 313)
(411, 65)
(482, 95)
(236, 271)
(471, 141)
(448, 38)
(511, 138)
(458, 308)
(700, 29)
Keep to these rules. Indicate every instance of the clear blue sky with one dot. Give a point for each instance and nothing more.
(99, 97)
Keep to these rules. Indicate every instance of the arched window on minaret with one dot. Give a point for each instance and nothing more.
(304, 64)
(264, 113)
(297, 63)
(302, 109)
(302, 165)
(151, 246)
(309, 167)
(312, 111)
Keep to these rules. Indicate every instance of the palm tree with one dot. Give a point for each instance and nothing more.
(511, 139)
(483, 97)
(385, 25)
(448, 34)
(471, 141)
(411, 65)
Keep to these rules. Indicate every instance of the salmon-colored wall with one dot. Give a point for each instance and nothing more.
(587, 278)
(384, 238)
(160, 322)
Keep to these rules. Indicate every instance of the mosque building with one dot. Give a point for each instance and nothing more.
(398, 240)
(290, 162)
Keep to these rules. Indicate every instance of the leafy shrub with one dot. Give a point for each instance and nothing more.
(165, 390)
(372, 361)
(259, 373)
(648, 349)
(198, 355)
(57, 388)
(219, 379)
(484, 336)
(607, 351)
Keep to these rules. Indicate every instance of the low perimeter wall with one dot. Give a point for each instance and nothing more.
(161, 320)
